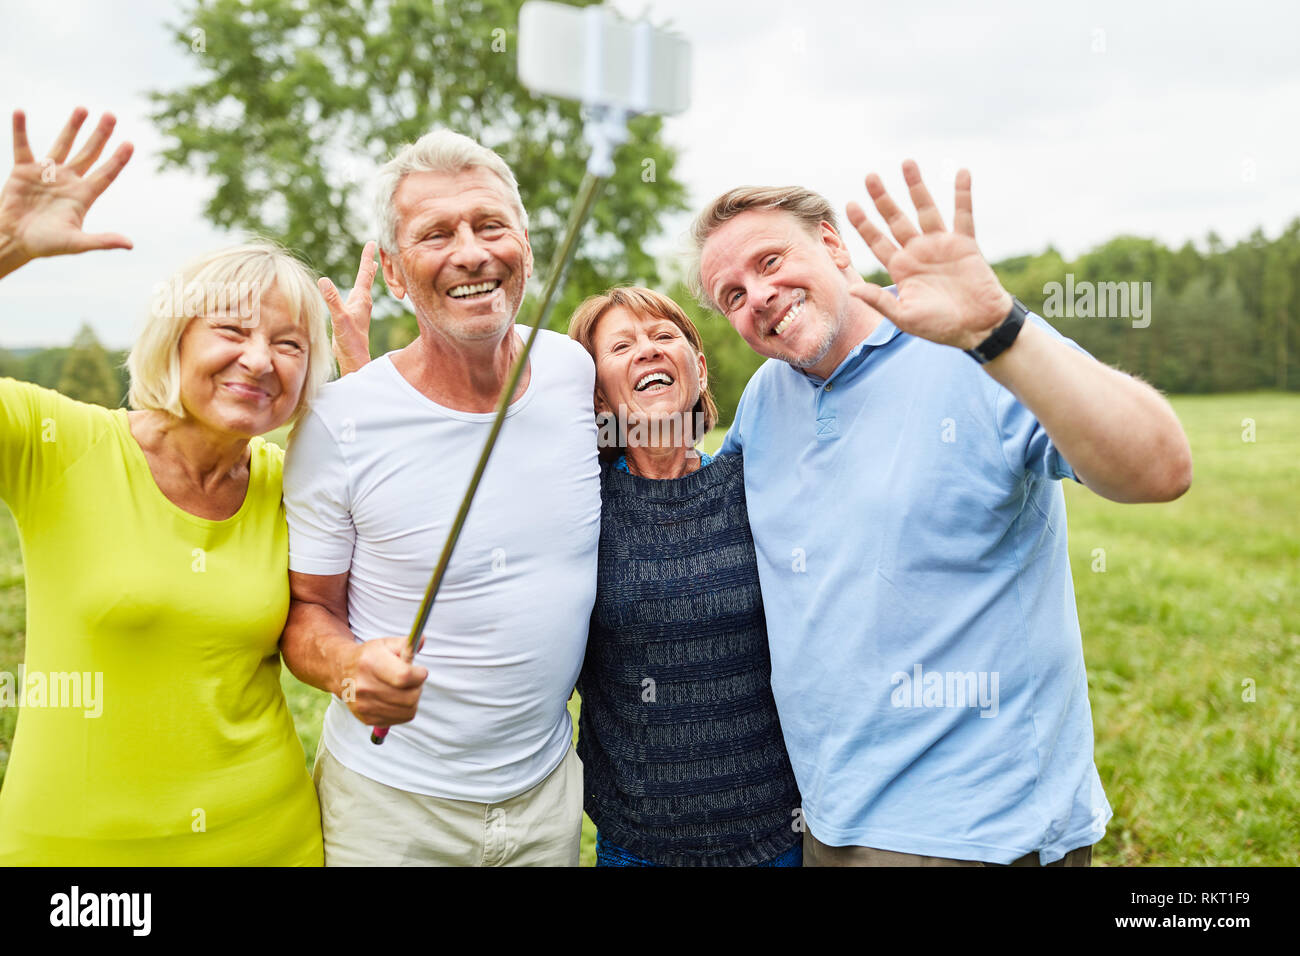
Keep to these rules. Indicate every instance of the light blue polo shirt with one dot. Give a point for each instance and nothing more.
(926, 657)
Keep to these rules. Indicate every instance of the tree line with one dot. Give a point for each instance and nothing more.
(1218, 319)
(83, 370)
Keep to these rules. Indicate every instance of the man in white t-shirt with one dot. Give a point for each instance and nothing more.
(478, 768)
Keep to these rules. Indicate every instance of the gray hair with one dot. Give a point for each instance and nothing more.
(809, 208)
(439, 151)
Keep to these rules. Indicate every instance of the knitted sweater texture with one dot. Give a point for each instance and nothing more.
(684, 762)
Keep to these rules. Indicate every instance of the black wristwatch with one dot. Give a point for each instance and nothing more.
(1000, 339)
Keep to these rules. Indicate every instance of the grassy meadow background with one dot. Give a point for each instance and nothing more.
(1191, 631)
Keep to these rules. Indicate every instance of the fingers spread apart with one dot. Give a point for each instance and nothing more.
(876, 240)
(927, 213)
(93, 146)
(59, 151)
(898, 223)
(103, 177)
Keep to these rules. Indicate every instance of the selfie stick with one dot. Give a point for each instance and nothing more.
(604, 128)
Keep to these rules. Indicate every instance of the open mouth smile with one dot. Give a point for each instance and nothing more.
(791, 314)
(653, 382)
(477, 290)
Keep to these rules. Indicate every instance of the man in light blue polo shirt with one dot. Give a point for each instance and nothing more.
(926, 656)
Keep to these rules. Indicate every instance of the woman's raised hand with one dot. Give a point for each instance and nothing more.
(44, 202)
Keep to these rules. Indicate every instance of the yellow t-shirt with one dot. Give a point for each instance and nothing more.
(153, 730)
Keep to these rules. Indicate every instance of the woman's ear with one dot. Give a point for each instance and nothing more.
(601, 403)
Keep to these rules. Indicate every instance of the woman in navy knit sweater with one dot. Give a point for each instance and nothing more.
(684, 762)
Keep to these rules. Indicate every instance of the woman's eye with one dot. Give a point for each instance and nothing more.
(769, 262)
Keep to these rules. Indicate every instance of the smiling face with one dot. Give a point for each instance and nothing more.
(240, 379)
(462, 257)
(646, 369)
(784, 290)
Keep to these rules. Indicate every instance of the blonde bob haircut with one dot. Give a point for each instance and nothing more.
(646, 303)
(250, 269)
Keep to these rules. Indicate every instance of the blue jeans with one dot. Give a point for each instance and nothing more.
(607, 854)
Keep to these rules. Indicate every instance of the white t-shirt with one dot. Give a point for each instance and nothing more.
(373, 478)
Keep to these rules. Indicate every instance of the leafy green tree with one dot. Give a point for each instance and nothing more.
(302, 99)
(1185, 265)
(1226, 342)
(1281, 302)
(1027, 277)
(10, 365)
(88, 374)
(44, 367)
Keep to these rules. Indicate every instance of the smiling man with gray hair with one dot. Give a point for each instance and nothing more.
(479, 768)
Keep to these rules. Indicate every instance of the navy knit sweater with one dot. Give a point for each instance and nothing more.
(684, 763)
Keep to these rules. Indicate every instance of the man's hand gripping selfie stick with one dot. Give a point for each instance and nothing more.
(546, 65)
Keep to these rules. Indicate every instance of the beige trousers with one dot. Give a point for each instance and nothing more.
(369, 824)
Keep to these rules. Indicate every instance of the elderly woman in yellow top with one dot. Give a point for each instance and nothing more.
(153, 729)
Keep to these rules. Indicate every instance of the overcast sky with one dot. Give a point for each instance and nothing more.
(1078, 123)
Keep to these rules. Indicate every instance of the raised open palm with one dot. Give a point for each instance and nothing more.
(351, 319)
(947, 292)
(44, 202)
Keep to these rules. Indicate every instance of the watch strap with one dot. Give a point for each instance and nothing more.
(1000, 339)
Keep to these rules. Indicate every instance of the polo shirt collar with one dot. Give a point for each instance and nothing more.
(880, 336)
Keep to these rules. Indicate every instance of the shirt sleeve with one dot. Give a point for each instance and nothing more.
(317, 500)
(41, 433)
(1025, 443)
(732, 443)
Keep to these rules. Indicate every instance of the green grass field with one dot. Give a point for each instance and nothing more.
(1191, 628)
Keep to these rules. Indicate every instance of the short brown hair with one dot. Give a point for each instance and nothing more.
(809, 208)
(644, 302)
